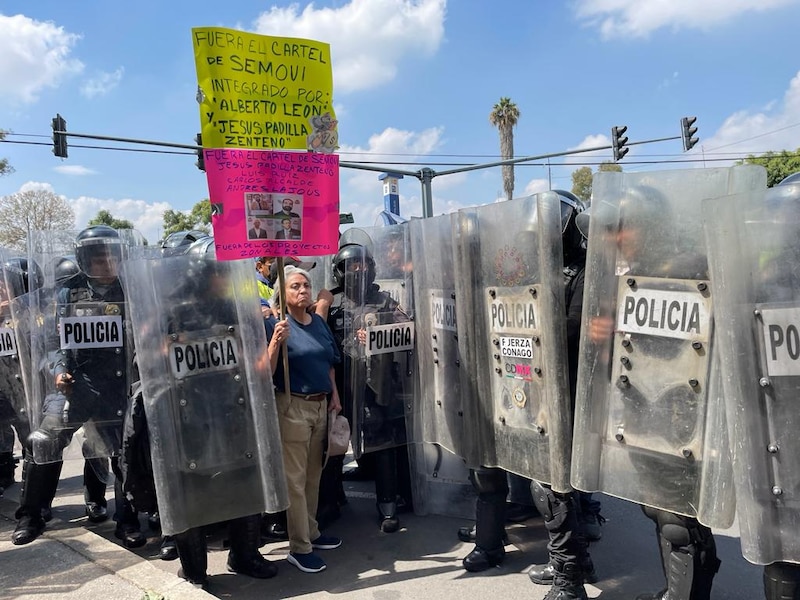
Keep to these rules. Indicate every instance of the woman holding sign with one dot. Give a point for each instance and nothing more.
(303, 405)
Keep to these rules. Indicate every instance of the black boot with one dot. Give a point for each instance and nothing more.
(244, 557)
(567, 584)
(129, 530)
(480, 559)
(387, 517)
(94, 489)
(39, 483)
(168, 550)
(545, 574)
(192, 551)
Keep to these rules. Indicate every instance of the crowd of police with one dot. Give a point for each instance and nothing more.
(644, 347)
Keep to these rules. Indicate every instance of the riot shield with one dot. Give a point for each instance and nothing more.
(80, 345)
(208, 396)
(442, 478)
(378, 338)
(649, 416)
(512, 331)
(13, 410)
(754, 247)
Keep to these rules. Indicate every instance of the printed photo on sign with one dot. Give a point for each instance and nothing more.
(258, 205)
(90, 332)
(195, 358)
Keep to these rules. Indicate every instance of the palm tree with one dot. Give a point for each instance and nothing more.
(504, 116)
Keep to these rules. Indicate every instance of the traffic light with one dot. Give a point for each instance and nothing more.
(59, 136)
(687, 133)
(618, 141)
(201, 163)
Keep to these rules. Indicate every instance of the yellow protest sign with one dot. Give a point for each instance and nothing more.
(264, 92)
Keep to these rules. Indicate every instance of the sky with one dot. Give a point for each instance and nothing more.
(414, 83)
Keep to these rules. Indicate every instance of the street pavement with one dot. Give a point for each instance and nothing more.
(78, 560)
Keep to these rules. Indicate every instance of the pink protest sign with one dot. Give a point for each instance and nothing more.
(266, 203)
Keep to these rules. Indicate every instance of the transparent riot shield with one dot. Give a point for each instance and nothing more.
(378, 338)
(649, 416)
(442, 477)
(13, 411)
(202, 361)
(512, 335)
(754, 247)
(80, 344)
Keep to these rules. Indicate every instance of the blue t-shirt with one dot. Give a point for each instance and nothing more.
(312, 354)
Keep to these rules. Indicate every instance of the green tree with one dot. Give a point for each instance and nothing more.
(199, 218)
(582, 183)
(582, 179)
(103, 217)
(779, 165)
(33, 210)
(5, 168)
(504, 116)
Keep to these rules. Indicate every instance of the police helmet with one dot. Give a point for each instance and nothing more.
(203, 247)
(573, 238)
(95, 241)
(353, 254)
(792, 179)
(22, 276)
(65, 268)
(180, 242)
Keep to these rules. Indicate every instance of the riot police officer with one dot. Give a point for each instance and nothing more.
(91, 386)
(569, 563)
(16, 279)
(369, 403)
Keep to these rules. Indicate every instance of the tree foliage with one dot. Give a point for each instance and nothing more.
(199, 218)
(5, 168)
(104, 217)
(582, 183)
(582, 179)
(779, 165)
(504, 116)
(32, 210)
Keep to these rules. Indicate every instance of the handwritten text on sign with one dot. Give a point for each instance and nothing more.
(258, 91)
(306, 184)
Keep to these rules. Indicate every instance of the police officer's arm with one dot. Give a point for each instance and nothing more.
(63, 361)
(323, 304)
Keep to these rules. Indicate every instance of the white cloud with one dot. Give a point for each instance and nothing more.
(361, 191)
(774, 127)
(147, 217)
(76, 170)
(102, 83)
(33, 55)
(36, 185)
(638, 19)
(368, 39)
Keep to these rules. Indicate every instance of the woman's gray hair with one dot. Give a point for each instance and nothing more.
(292, 270)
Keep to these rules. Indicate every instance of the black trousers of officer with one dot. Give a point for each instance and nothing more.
(567, 546)
(490, 507)
(688, 554)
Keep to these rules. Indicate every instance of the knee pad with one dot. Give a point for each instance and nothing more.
(554, 508)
